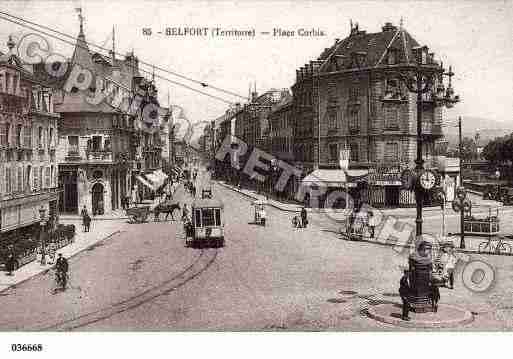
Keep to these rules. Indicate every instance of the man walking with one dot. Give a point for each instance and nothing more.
(435, 297)
(404, 289)
(84, 215)
(304, 217)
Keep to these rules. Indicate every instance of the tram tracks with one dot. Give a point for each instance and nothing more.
(202, 262)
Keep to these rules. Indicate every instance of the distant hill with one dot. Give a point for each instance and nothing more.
(488, 129)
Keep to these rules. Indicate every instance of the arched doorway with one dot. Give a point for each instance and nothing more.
(98, 202)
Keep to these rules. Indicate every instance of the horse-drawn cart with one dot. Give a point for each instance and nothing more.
(138, 214)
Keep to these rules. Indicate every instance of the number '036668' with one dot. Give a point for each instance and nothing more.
(26, 347)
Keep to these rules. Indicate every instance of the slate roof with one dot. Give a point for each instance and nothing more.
(374, 45)
(101, 66)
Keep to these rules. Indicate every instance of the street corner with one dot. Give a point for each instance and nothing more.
(447, 316)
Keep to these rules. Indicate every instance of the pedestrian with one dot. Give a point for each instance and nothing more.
(448, 260)
(304, 217)
(84, 214)
(435, 297)
(87, 223)
(10, 263)
(185, 213)
(404, 290)
(372, 224)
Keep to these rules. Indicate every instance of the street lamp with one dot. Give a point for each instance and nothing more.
(425, 78)
(42, 215)
(421, 79)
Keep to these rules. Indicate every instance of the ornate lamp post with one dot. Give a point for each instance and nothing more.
(42, 215)
(425, 79)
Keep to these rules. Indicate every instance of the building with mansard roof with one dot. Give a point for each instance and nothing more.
(28, 166)
(351, 101)
(106, 152)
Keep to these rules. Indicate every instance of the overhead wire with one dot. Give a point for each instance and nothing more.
(140, 69)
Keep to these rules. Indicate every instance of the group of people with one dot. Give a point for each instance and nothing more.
(302, 220)
(359, 221)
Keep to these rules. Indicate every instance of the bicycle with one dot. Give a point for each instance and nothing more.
(500, 248)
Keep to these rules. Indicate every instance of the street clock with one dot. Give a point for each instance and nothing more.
(427, 180)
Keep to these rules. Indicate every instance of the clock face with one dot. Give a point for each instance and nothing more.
(427, 180)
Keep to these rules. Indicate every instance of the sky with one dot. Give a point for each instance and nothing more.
(475, 37)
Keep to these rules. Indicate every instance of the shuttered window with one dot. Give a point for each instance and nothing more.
(47, 177)
(36, 179)
(354, 152)
(392, 152)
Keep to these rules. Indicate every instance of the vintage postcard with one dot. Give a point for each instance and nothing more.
(255, 166)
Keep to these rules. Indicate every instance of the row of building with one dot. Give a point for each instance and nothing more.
(61, 152)
(350, 108)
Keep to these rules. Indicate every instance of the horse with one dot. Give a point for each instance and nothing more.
(167, 208)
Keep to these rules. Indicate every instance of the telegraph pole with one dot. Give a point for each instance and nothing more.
(462, 212)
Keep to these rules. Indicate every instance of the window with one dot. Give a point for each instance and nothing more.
(354, 120)
(47, 178)
(218, 217)
(8, 179)
(73, 145)
(18, 135)
(392, 117)
(19, 181)
(40, 137)
(40, 184)
(208, 217)
(333, 151)
(353, 147)
(50, 139)
(332, 120)
(97, 143)
(197, 217)
(392, 56)
(36, 179)
(4, 134)
(27, 178)
(27, 134)
(391, 152)
(354, 93)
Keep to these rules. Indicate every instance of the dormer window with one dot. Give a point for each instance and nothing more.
(392, 56)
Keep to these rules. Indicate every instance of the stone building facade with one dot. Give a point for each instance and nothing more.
(354, 96)
(106, 153)
(28, 139)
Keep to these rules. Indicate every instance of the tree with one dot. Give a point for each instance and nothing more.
(499, 150)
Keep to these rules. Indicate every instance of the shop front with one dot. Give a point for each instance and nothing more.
(20, 224)
(333, 188)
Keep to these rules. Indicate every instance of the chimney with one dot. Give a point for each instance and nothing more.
(388, 27)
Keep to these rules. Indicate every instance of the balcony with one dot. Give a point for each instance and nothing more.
(99, 156)
(73, 155)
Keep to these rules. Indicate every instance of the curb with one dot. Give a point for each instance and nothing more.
(78, 218)
(468, 317)
(50, 267)
(253, 197)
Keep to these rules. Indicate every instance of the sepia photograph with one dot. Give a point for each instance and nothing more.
(255, 166)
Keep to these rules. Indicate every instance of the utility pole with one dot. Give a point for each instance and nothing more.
(462, 212)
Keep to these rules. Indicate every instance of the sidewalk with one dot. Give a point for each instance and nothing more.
(100, 230)
(480, 205)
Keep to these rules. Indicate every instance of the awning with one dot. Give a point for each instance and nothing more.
(328, 178)
(335, 177)
(145, 183)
